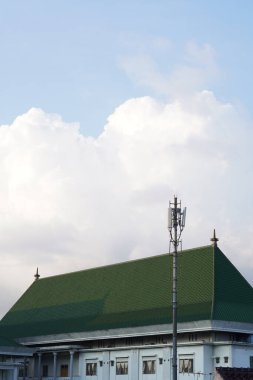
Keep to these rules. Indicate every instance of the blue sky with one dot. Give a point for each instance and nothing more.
(65, 56)
(108, 109)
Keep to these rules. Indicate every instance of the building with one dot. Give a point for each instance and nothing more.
(115, 322)
(12, 357)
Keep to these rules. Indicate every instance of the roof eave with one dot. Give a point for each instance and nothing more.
(196, 326)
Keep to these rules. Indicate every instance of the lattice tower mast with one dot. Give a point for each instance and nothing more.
(176, 224)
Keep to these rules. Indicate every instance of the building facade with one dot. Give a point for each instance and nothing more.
(13, 356)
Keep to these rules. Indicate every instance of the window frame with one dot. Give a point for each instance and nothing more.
(91, 372)
(122, 370)
(182, 364)
(149, 370)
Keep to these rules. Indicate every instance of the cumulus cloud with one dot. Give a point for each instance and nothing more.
(69, 202)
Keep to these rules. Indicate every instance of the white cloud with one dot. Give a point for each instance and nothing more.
(196, 70)
(69, 202)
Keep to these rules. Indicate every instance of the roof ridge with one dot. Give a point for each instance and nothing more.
(233, 294)
(213, 295)
(235, 268)
(123, 262)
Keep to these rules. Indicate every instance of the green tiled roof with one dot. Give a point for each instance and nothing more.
(134, 293)
(6, 342)
(10, 347)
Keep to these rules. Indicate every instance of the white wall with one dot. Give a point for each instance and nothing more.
(221, 352)
(241, 355)
(135, 357)
(203, 356)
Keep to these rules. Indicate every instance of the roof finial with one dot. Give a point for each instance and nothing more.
(37, 276)
(214, 239)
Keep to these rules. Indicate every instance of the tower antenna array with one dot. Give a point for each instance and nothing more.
(176, 224)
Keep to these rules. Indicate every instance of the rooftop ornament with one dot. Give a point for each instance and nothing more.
(37, 276)
(214, 239)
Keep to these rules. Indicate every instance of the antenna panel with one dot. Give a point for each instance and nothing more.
(183, 217)
(170, 217)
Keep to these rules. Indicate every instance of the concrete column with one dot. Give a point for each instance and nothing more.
(24, 368)
(55, 365)
(71, 361)
(32, 367)
(15, 373)
(39, 366)
(106, 366)
(133, 367)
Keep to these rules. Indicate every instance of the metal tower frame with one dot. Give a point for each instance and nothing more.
(176, 224)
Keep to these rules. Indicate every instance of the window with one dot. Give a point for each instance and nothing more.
(45, 370)
(251, 361)
(64, 372)
(122, 367)
(186, 365)
(148, 367)
(217, 360)
(225, 359)
(91, 369)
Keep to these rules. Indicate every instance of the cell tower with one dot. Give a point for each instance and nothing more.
(176, 223)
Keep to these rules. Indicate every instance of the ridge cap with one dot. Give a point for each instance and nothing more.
(188, 250)
(214, 249)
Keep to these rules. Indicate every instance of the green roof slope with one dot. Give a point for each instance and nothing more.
(135, 293)
(233, 295)
(6, 342)
(12, 348)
